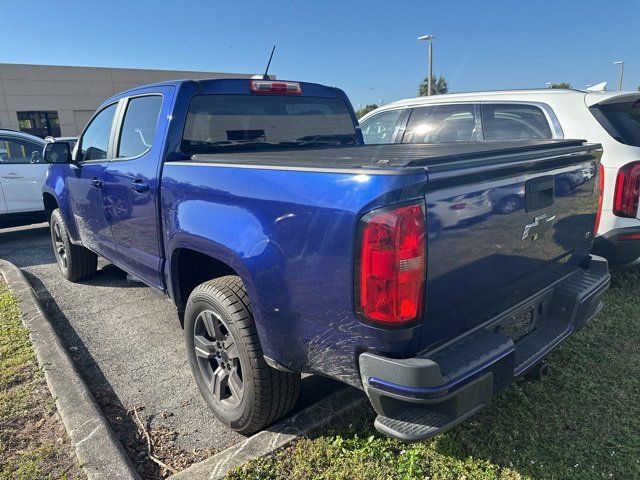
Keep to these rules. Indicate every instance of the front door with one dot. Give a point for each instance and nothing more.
(86, 183)
(131, 183)
(22, 172)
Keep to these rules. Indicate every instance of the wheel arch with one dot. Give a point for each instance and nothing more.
(189, 267)
(50, 204)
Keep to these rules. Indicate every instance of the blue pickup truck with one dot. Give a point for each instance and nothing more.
(290, 247)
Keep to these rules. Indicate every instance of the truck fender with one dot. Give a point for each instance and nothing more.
(54, 190)
(255, 271)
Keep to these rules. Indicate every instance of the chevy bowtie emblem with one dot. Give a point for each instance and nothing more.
(538, 227)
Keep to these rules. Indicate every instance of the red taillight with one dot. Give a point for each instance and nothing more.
(625, 199)
(600, 196)
(273, 87)
(393, 265)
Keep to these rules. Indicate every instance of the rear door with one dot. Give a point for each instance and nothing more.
(131, 186)
(22, 172)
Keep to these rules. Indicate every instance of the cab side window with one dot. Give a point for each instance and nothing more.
(18, 151)
(380, 128)
(95, 139)
(514, 122)
(139, 126)
(442, 124)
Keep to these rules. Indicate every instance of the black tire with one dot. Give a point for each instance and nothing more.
(76, 262)
(217, 317)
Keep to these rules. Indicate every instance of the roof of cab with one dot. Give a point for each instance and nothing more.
(230, 86)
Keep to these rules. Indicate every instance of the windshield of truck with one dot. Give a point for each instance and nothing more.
(230, 122)
(620, 120)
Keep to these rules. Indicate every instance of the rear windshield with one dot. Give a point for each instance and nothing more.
(620, 120)
(218, 123)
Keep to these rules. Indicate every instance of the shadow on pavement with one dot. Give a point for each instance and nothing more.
(120, 419)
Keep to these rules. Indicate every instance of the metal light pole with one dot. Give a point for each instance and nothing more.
(430, 39)
(621, 63)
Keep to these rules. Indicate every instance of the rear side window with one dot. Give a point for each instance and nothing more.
(379, 128)
(441, 124)
(514, 122)
(620, 120)
(230, 122)
(139, 125)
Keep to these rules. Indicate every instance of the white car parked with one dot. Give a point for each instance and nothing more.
(22, 173)
(609, 118)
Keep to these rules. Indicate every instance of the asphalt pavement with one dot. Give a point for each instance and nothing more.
(128, 345)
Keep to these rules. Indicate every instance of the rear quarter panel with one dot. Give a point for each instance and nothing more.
(290, 235)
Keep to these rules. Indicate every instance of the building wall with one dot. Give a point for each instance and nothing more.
(74, 92)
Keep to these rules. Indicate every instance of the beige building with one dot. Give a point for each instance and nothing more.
(54, 100)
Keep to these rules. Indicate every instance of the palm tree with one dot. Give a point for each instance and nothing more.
(438, 86)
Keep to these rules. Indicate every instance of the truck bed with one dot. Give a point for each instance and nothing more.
(385, 156)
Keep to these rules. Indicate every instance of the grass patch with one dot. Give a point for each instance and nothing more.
(582, 422)
(33, 442)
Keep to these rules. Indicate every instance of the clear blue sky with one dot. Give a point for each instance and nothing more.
(367, 48)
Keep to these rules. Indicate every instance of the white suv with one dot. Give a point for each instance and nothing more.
(609, 118)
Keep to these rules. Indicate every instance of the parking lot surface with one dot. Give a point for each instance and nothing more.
(128, 344)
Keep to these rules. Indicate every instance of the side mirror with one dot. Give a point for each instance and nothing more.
(57, 152)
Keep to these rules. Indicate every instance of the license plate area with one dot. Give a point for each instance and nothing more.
(522, 321)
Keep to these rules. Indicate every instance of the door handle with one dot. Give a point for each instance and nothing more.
(97, 183)
(11, 176)
(140, 186)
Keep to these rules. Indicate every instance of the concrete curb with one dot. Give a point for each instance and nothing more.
(99, 451)
(302, 423)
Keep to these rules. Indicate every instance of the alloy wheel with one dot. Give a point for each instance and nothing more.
(58, 245)
(218, 358)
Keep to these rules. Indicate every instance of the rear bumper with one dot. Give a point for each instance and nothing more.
(618, 251)
(419, 397)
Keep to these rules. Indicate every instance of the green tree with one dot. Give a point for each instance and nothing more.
(560, 85)
(438, 86)
(366, 109)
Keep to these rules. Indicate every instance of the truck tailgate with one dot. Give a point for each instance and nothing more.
(502, 228)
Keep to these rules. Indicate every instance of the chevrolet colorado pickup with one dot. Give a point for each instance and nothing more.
(288, 247)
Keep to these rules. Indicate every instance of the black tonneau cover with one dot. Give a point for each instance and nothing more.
(382, 156)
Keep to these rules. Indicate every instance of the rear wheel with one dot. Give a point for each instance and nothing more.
(76, 262)
(227, 362)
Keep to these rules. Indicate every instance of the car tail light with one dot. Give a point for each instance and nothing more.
(392, 265)
(273, 87)
(625, 199)
(600, 197)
